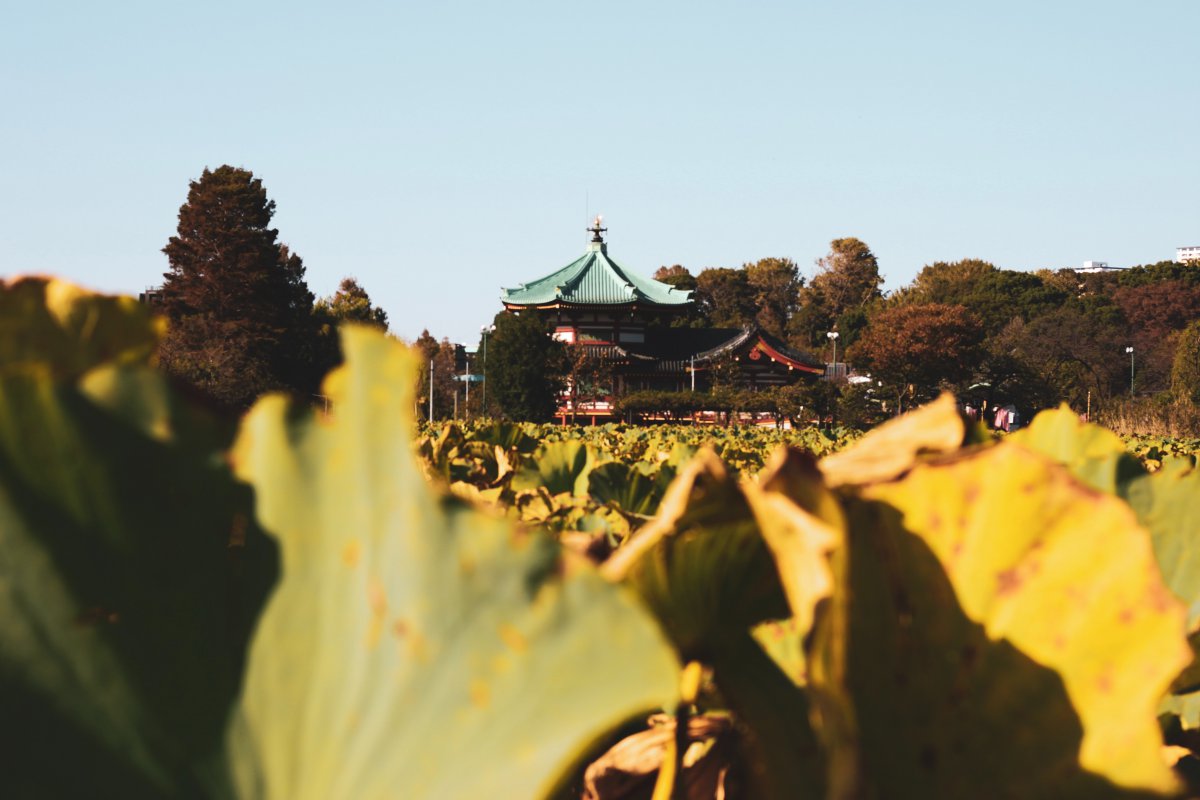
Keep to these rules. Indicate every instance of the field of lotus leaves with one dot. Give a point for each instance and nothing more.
(304, 603)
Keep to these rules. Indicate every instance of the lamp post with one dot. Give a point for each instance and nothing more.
(431, 391)
(833, 337)
(1130, 351)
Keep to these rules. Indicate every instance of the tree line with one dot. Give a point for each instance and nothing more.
(1032, 339)
(243, 321)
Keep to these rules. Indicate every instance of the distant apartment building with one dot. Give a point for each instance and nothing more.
(1186, 254)
(1097, 266)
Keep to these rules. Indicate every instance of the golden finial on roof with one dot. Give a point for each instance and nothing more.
(596, 228)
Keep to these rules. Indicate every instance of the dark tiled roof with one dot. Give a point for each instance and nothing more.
(674, 348)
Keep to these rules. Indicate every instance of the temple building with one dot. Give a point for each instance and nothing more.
(623, 321)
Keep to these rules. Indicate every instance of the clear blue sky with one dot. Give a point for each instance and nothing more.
(439, 151)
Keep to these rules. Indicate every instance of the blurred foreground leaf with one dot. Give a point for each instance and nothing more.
(416, 647)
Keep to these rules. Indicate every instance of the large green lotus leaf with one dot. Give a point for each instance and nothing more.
(895, 446)
(69, 330)
(703, 567)
(130, 575)
(1167, 503)
(559, 467)
(416, 647)
(702, 564)
(1008, 632)
(628, 489)
(1093, 454)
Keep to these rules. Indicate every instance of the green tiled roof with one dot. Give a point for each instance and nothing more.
(595, 279)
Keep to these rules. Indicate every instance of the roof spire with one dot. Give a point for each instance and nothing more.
(596, 229)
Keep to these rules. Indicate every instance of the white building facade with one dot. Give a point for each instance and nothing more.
(1185, 254)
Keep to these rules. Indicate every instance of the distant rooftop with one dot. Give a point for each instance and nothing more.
(595, 279)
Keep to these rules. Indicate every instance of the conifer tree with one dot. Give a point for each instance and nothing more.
(240, 311)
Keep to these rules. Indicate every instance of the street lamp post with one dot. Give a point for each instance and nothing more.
(833, 337)
(1130, 351)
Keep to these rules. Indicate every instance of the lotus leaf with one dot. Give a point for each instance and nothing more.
(894, 446)
(68, 330)
(1013, 624)
(130, 568)
(559, 467)
(416, 647)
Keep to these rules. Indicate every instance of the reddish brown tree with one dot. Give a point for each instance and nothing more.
(924, 346)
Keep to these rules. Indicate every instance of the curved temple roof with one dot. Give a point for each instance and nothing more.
(595, 279)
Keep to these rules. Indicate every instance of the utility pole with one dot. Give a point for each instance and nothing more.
(1130, 351)
(431, 391)
(693, 371)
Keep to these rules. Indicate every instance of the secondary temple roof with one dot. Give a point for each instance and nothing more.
(594, 279)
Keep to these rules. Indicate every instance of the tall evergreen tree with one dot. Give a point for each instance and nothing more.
(240, 311)
(524, 369)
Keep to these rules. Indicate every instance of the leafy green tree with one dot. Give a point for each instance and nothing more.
(351, 303)
(524, 370)
(1159, 272)
(677, 275)
(950, 282)
(775, 284)
(925, 346)
(1002, 295)
(1074, 350)
(1185, 373)
(240, 311)
(846, 284)
(848, 276)
(725, 298)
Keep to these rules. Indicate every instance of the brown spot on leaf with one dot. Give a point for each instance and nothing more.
(351, 553)
(513, 638)
(1008, 581)
(481, 696)
(971, 493)
(1126, 616)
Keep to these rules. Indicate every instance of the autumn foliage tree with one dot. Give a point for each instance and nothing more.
(438, 356)
(240, 312)
(924, 346)
(837, 298)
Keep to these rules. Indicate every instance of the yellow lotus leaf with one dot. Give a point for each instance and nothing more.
(1053, 624)
(894, 446)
